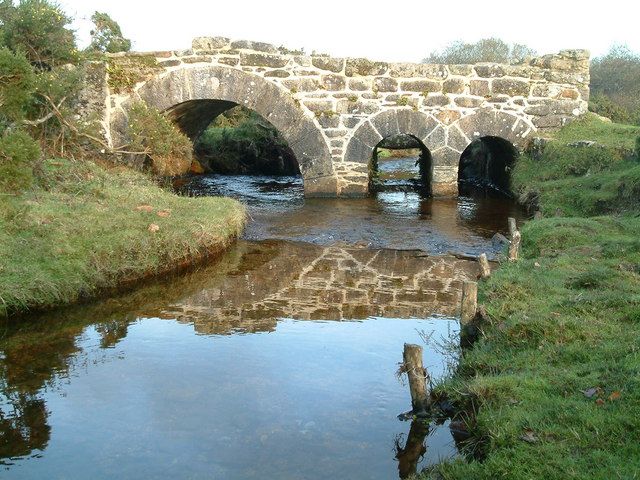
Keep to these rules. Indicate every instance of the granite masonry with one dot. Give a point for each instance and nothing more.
(334, 111)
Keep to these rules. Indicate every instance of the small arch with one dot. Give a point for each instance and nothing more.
(193, 96)
(424, 129)
(486, 164)
(410, 169)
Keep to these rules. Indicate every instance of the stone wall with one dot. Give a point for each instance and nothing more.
(334, 111)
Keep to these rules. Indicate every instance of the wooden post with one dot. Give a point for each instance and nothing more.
(514, 247)
(485, 269)
(418, 376)
(513, 227)
(469, 302)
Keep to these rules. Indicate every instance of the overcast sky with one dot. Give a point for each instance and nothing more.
(382, 30)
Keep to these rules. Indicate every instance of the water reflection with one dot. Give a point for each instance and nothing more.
(124, 386)
(400, 218)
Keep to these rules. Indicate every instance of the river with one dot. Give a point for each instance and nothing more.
(275, 360)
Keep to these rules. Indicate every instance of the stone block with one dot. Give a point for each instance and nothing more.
(169, 63)
(385, 84)
(333, 83)
(424, 86)
(328, 63)
(256, 46)
(198, 59)
(351, 122)
(489, 70)
(319, 106)
(232, 61)
(437, 100)
(329, 121)
(469, 102)
(358, 107)
(510, 87)
(447, 117)
(360, 84)
(302, 85)
(464, 70)
(263, 60)
(453, 85)
(209, 43)
(480, 88)
(277, 74)
(363, 67)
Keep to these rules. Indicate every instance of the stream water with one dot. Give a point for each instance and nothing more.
(276, 360)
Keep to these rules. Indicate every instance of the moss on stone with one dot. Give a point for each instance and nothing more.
(126, 71)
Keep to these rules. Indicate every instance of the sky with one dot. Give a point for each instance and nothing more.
(380, 30)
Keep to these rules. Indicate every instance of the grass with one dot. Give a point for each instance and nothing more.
(552, 388)
(583, 181)
(89, 228)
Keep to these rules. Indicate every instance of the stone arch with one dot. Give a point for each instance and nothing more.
(460, 134)
(194, 96)
(421, 126)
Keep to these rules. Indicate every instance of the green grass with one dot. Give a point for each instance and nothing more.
(583, 181)
(591, 128)
(81, 232)
(565, 318)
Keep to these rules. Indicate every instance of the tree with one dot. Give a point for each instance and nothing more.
(615, 85)
(484, 50)
(107, 36)
(39, 29)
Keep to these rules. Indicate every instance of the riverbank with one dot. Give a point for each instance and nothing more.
(552, 388)
(89, 228)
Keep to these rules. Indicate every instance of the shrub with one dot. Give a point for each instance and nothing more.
(16, 85)
(39, 29)
(107, 36)
(18, 152)
(484, 50)
(615, 86)
(169, 150)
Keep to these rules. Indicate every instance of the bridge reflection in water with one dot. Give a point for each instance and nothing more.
(104, 389)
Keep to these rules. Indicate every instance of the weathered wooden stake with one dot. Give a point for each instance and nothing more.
(469, 302)
(418, 377)
(514, 246)
(485, 268)
(513, 227)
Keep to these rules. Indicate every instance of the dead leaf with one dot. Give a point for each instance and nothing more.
(599, 402)
(164, 213)
(153, 228)
(614, 396)
(144, 208)
(529, 436)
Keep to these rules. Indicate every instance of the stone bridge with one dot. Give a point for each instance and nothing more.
(334, 111)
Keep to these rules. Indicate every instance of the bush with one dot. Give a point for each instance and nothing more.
(107, 36)
(18, 152)
(484, 50)
(16, 85)
(614, 85)
(169, 150)
(39, 29)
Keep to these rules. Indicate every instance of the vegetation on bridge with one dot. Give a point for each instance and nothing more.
(552, 388)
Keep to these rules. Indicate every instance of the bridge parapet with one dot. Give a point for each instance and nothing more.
(348, 105)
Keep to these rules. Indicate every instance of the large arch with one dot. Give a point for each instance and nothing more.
(194, 96)
(389, 123)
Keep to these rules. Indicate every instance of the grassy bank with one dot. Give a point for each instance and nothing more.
(87, 228)
(552, 389)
